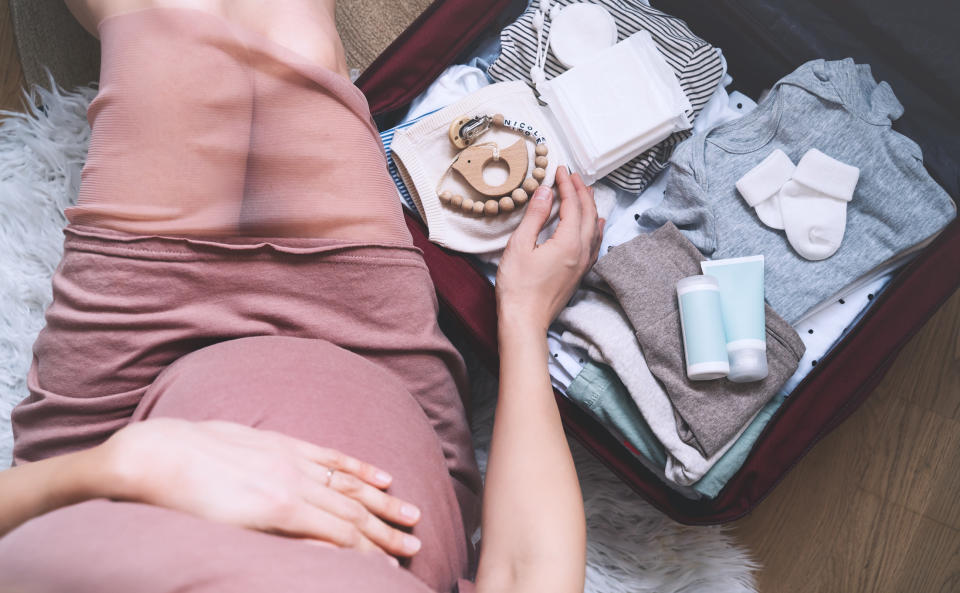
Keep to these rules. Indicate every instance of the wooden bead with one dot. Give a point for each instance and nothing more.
(456, 200)
(506, 204)
(467, 205)
(539, 173)
(491, 208)
(498, 119)
(540, 161)
(478, 207)
(541, 150)
(519, 196)
(445, 196)
(530, 185)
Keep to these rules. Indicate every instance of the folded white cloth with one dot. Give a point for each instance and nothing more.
(616, 104)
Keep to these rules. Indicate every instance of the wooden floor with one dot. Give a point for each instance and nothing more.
(874, 507)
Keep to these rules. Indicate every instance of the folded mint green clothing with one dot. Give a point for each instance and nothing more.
(730, 463)
(598, 390)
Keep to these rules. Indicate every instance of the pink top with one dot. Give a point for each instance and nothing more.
(238, 252)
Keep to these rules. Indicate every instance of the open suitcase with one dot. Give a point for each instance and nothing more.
(762, 40)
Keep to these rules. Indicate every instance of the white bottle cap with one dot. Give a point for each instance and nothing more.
(748, 361)
(698, 282)
(706, 371)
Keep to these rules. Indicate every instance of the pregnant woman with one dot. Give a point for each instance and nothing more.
(241, 385)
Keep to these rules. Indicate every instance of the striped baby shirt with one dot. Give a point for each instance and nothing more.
(697, 64)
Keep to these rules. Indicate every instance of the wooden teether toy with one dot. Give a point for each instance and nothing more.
(474, 158)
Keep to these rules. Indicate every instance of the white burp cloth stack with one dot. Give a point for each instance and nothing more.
(808, 201)
(616, 104)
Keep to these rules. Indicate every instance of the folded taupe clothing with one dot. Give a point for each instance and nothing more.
(594, 322)
(643, 274)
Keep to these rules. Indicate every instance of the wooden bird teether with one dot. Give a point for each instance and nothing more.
(472, 159)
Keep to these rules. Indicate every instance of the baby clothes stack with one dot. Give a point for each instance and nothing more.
(697, 65)
(643, 274)
(879, 205)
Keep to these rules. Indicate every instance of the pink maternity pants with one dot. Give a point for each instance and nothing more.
(238, 252)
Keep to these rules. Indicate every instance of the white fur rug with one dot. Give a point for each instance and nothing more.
(632, 547)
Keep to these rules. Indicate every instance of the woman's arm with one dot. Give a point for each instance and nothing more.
(534, 533)
(223, 472)
(37, 488)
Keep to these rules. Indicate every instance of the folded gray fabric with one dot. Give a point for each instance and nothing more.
(643, 273)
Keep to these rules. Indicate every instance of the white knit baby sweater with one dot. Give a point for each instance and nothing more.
(423, 152)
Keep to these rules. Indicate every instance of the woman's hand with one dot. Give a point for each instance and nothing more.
(534, 531)
(260, 480)
(535, 282)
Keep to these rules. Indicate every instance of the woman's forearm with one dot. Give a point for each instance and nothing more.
(534, 534)
(30, 490)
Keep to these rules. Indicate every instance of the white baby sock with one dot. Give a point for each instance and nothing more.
(759, 187)
(813, 204)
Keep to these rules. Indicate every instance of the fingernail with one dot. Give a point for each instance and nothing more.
(394, 562)
(542, 193)
(409, 511)
(563, 168)
(383, 477)
(411, 544)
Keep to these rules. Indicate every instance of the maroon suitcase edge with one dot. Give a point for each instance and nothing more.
(424, 49)
(828, 395)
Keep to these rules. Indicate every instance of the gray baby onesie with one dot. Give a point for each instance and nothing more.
(643, 273)
(838, 108)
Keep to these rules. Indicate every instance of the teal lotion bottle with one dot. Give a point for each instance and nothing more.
(744, 320)
(704, 343)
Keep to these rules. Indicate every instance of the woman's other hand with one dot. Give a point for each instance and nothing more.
(260, 480)
(535, 282)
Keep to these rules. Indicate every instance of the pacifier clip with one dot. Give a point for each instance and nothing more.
(474, 158)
